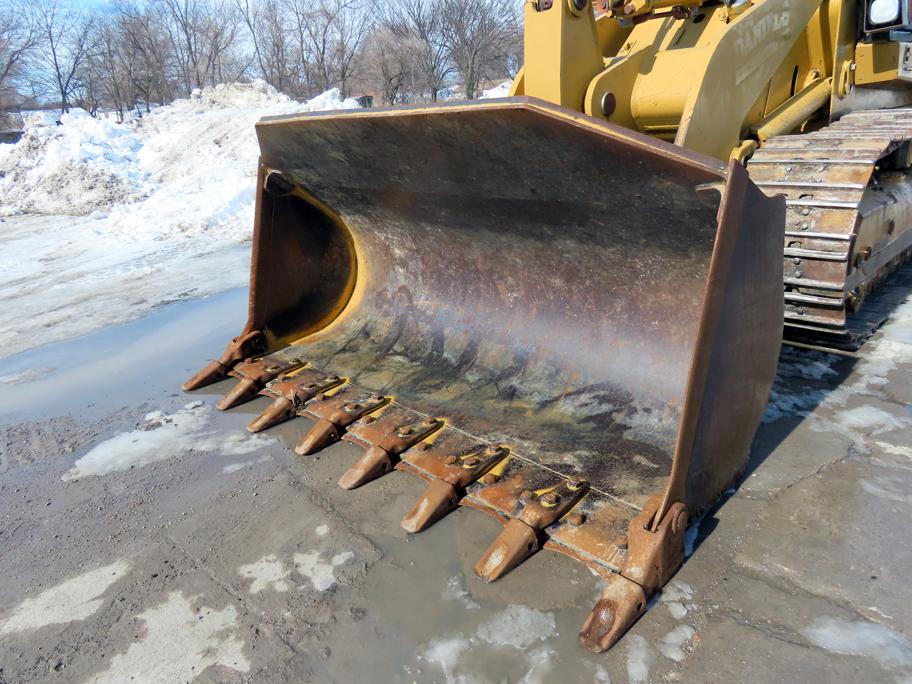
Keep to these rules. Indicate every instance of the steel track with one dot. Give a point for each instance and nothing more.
(825, 176)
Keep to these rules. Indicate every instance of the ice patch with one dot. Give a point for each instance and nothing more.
(447, 653)
(26, 376)
(600, 674)
(895, 450)
(267, 573)
(672, 644)
(163, 437)
(539, 667)
(861, 638)
(181, 640)
(456, 591)
(794, 391)
(678, 597)
(678, 610)
(640, 658)
(321, 573)
(72, 600)
(677, 591)
(235, 467)
(518, 626)
(885, 488)
(868, 420)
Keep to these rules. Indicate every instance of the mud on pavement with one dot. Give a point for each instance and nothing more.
(147, 537)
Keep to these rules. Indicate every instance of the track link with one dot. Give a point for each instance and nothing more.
(838, 184)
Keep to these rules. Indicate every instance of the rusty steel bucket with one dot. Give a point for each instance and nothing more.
(551, 319)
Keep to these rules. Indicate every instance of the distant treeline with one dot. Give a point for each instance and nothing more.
(126, 54)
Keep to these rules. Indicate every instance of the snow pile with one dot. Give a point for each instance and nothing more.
(195, 157)
(500, 90)
(331, 99)
(72, 168)
(165, 203)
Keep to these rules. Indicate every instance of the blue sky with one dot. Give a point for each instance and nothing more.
(88, 4)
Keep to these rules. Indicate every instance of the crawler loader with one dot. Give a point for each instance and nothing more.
(564, 308)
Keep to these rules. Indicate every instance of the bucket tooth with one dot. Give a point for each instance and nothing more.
(438, 499)
(395, 431)
(291, 395)
(516, 542)
(250, 344)
(241, 393)
(375, 462)
(655, 550)
(211, 373)
(525, 534)
(621, 604)
(334, 414)
(253, 376)
(453, 473)
(278, 412)
(320, 436)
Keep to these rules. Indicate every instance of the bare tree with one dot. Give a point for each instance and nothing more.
(329, 35)
(477, 36)
(19, 37)
(418, 26)
(203, 35)
(387, 66)
(270, 30)
(146, 50)
(111, 67)
(65, 34)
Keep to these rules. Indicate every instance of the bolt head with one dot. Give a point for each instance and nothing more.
(549, 499)
(575, 519)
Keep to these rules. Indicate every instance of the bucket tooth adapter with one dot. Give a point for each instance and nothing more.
(566, 325)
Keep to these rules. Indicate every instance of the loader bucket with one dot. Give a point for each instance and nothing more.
(566, 325)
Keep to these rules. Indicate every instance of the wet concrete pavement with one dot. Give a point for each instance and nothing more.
(184, 550)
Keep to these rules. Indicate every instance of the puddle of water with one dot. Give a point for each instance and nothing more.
(123, 364)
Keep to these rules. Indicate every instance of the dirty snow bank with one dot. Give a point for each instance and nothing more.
(165, 206)
(88, 164)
